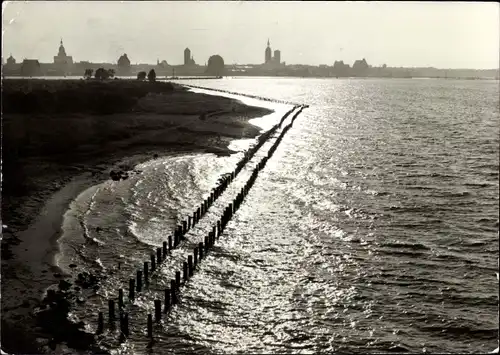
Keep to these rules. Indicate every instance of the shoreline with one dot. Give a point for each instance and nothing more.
(41, 240)
(30, 266)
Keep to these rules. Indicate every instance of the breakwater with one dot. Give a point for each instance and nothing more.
(248, 95)
(192, 78)
(148, 275)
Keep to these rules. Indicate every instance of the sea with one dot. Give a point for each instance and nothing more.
(373, 228)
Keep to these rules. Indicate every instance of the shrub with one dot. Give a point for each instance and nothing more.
(152, 75)
(88, 73)
(141, 75)
(103, 74)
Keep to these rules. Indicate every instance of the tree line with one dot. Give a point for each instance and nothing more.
(105, 74)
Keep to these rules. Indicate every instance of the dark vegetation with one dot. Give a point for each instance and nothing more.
(75, 96)
(141, 75)
(88, 74)
(152, 75)
(104, 74)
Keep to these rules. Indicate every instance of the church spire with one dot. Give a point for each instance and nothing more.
(268, 44)
(62, 51)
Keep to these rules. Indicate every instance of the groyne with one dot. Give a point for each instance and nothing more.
(248, 95)
(147, 273)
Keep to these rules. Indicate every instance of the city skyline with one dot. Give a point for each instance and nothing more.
(104, 35)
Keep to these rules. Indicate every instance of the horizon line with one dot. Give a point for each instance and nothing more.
(253, 64)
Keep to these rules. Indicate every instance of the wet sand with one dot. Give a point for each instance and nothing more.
(50, 155)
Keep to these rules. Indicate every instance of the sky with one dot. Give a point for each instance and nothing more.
(406, 34)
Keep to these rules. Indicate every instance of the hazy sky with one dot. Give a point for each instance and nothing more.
(441, 34)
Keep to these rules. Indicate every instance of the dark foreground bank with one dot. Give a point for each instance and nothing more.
(60, 137)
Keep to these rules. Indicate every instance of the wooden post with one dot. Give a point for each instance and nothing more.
(111, 306)
(190, 265)
(146, 273)
(120, 316)
(189, 222)
(184, 227)
(157, 311)
(176, 238)
(158, 256)
(173, 288)
(150, 326)
(200, 250)
(185, 275)
(170, 243)
(218, 229)
(131, 289)
(153, 263)
(100, 323)
(194, 218)
(167, 300)
(125, 325)
(195, 256)
(178, 279)
(120, 300)
(139, 281)
(181, 235)
(214, 231)
(164, 250)
(206, 244)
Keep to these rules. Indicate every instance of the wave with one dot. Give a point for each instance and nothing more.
(412, 246)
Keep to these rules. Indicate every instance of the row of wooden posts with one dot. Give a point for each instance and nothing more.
(247, 95)
(171, 295)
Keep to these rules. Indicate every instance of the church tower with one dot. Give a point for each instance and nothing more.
(62, 51)
(187, 56)
(268, 52)
(63, 62)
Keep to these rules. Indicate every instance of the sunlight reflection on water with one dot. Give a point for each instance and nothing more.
(348, 232)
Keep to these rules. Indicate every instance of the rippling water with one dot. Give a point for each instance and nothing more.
(374, 227)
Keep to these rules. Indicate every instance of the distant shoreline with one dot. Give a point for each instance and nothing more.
(164, 78)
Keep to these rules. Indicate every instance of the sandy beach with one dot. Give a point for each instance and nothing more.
(52, 151)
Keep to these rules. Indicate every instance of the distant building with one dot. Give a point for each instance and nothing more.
(272, 63)
(215, 65)
(63, 63)
(268, 55)
(11, 60)
(277, 56)
(123, 65)
(360, 67)
(162, 64)
(340, 69)
(188, 58)
(30, 67)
